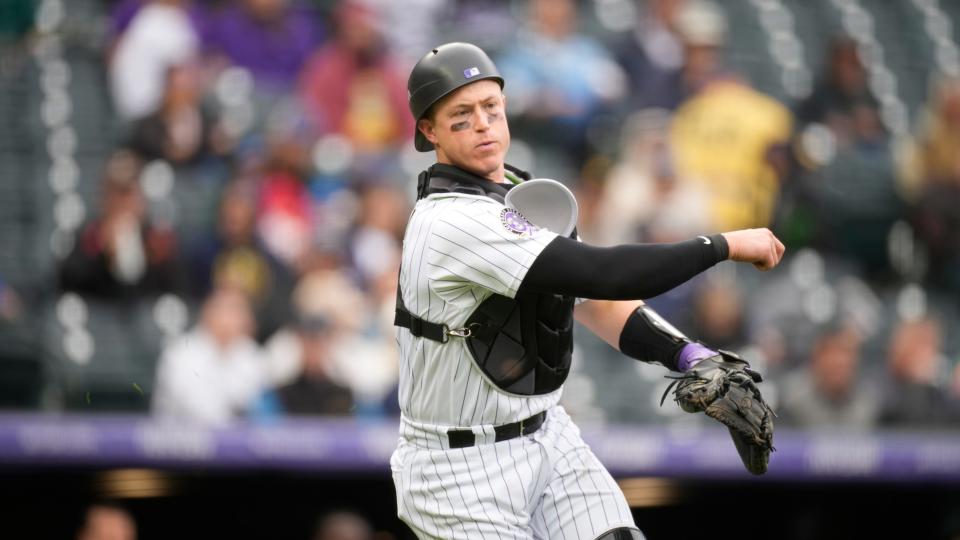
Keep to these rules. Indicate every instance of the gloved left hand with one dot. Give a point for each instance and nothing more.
(725, 388)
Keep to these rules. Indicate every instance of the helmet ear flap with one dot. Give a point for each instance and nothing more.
(440, 72)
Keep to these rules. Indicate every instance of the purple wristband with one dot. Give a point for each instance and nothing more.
(691, 354)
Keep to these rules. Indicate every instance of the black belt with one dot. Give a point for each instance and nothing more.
(463, 438)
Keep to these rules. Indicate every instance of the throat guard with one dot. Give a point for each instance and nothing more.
(523, 345)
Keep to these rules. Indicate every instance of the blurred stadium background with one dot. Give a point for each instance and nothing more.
(201, 204)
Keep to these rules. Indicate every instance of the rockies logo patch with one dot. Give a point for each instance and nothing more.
(514, 222)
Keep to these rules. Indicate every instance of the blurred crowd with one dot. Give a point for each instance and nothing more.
(110, 520)
(263, 175)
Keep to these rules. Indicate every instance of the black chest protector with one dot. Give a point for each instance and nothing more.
(524, 345)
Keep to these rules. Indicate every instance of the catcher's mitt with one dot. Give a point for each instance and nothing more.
(725, 388)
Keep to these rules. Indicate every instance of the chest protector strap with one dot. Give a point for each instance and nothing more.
(523, 345)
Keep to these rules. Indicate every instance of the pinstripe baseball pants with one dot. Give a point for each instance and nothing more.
(547, 485)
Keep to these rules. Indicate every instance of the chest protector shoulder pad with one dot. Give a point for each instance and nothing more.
(523, 345)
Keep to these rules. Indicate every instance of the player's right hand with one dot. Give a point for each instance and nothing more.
(756, 246)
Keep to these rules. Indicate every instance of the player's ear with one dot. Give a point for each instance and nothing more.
(426, 127)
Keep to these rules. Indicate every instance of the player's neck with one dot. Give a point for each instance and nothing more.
(497, 175)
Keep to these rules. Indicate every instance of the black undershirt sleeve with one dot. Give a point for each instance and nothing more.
(625, 272)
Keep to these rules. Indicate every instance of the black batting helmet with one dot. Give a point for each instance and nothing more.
(440, 72)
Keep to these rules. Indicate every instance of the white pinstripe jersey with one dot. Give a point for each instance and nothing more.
(457, 251)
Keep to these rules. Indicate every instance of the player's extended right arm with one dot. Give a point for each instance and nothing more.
(641, 271)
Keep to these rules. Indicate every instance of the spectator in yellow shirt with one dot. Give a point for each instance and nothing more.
(723, 136)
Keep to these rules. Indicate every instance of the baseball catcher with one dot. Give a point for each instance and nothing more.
(486, 301)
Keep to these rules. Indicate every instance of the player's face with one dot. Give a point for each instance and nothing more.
(469, 129)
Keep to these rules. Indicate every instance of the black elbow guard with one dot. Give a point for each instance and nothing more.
(647, 337)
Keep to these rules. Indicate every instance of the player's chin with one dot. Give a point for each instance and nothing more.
(488, 158)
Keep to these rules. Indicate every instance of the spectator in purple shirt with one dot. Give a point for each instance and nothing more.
(270, 38)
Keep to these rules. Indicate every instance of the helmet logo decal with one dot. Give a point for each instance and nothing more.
(471, 72)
